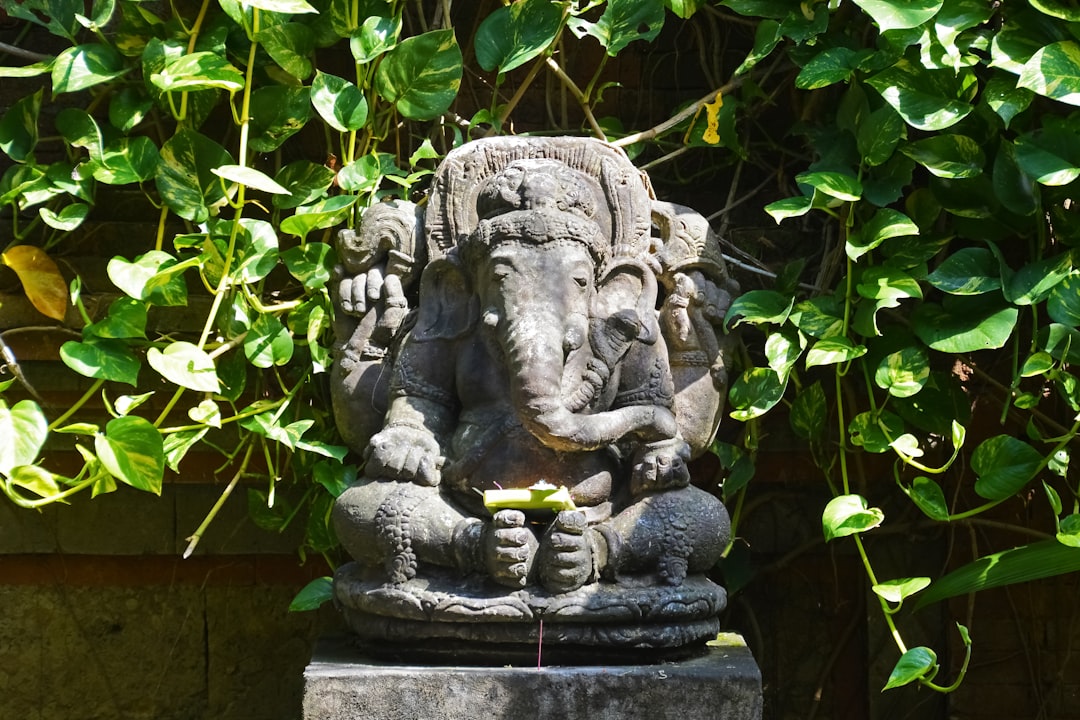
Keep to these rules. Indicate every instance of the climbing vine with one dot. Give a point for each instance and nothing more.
(932, 165)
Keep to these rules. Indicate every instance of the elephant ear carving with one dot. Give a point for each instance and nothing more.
(448, 307)
(626, 296)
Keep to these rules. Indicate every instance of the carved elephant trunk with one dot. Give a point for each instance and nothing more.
(535, 354)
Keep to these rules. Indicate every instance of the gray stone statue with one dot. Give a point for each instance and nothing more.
(528, 408)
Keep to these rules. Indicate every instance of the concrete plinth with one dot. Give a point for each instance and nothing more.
(724, 684)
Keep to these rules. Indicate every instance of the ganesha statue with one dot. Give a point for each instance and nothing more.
(527, 363)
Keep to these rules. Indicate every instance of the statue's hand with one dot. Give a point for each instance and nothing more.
(404, 452)
(660, 466)
(693, 314)
(357, 294)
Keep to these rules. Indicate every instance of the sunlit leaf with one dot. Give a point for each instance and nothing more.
(947, 155)
(622, 22)
(899, 14)
(154, 277)
(250, 177)
(1022, 564)
(421, 75)
(928, 496)
(268, 343)
(834, 184)
(131, 450)
(1054, 71)
(340, 103)
(101, 358)
(199, 71)
(833, 350)
(847, 515)
(84, 66)
(754, 393)
(896, 591)
(886, 223)
(23, 430)
(186, 365)
(916, 663)
(926, 99)
(515, 34)
(377, 35)
(903, 373)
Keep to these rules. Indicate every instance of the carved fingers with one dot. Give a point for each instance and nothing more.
(660, 466)
(693, 313)
(511, 549)
(404, 453)
(567, 557)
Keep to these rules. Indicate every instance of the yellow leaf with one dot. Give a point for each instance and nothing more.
(712, 116)
(41, 279)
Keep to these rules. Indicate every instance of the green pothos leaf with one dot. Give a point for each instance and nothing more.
(847, 515)
(916, 663)
(23, 429)
(131, 450)
(421, 75)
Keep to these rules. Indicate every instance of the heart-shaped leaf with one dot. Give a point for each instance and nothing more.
(23, 429)
(131, 450)
(916, 663)
(1004, 465)
(847, 515)
(102, 359)
(186, 365)
(421, 75)
(340, 103)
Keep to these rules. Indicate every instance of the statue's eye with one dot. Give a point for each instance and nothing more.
(581, 281)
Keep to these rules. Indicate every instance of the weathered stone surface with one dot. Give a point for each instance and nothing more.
(546, 326)
(723, 684)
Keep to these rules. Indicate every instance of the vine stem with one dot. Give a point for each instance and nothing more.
(193, 540)
(893, 630)
(41, 502)
(570, 85)
(678, 117)
(230, 252)
(78, 404)
(195, 28)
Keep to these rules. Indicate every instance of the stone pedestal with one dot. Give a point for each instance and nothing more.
(723, 684)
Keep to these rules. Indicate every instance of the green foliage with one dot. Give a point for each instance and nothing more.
(944, 155)
(938, 180)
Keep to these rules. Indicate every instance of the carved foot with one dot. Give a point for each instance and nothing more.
(567, 558)
(511, 549)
